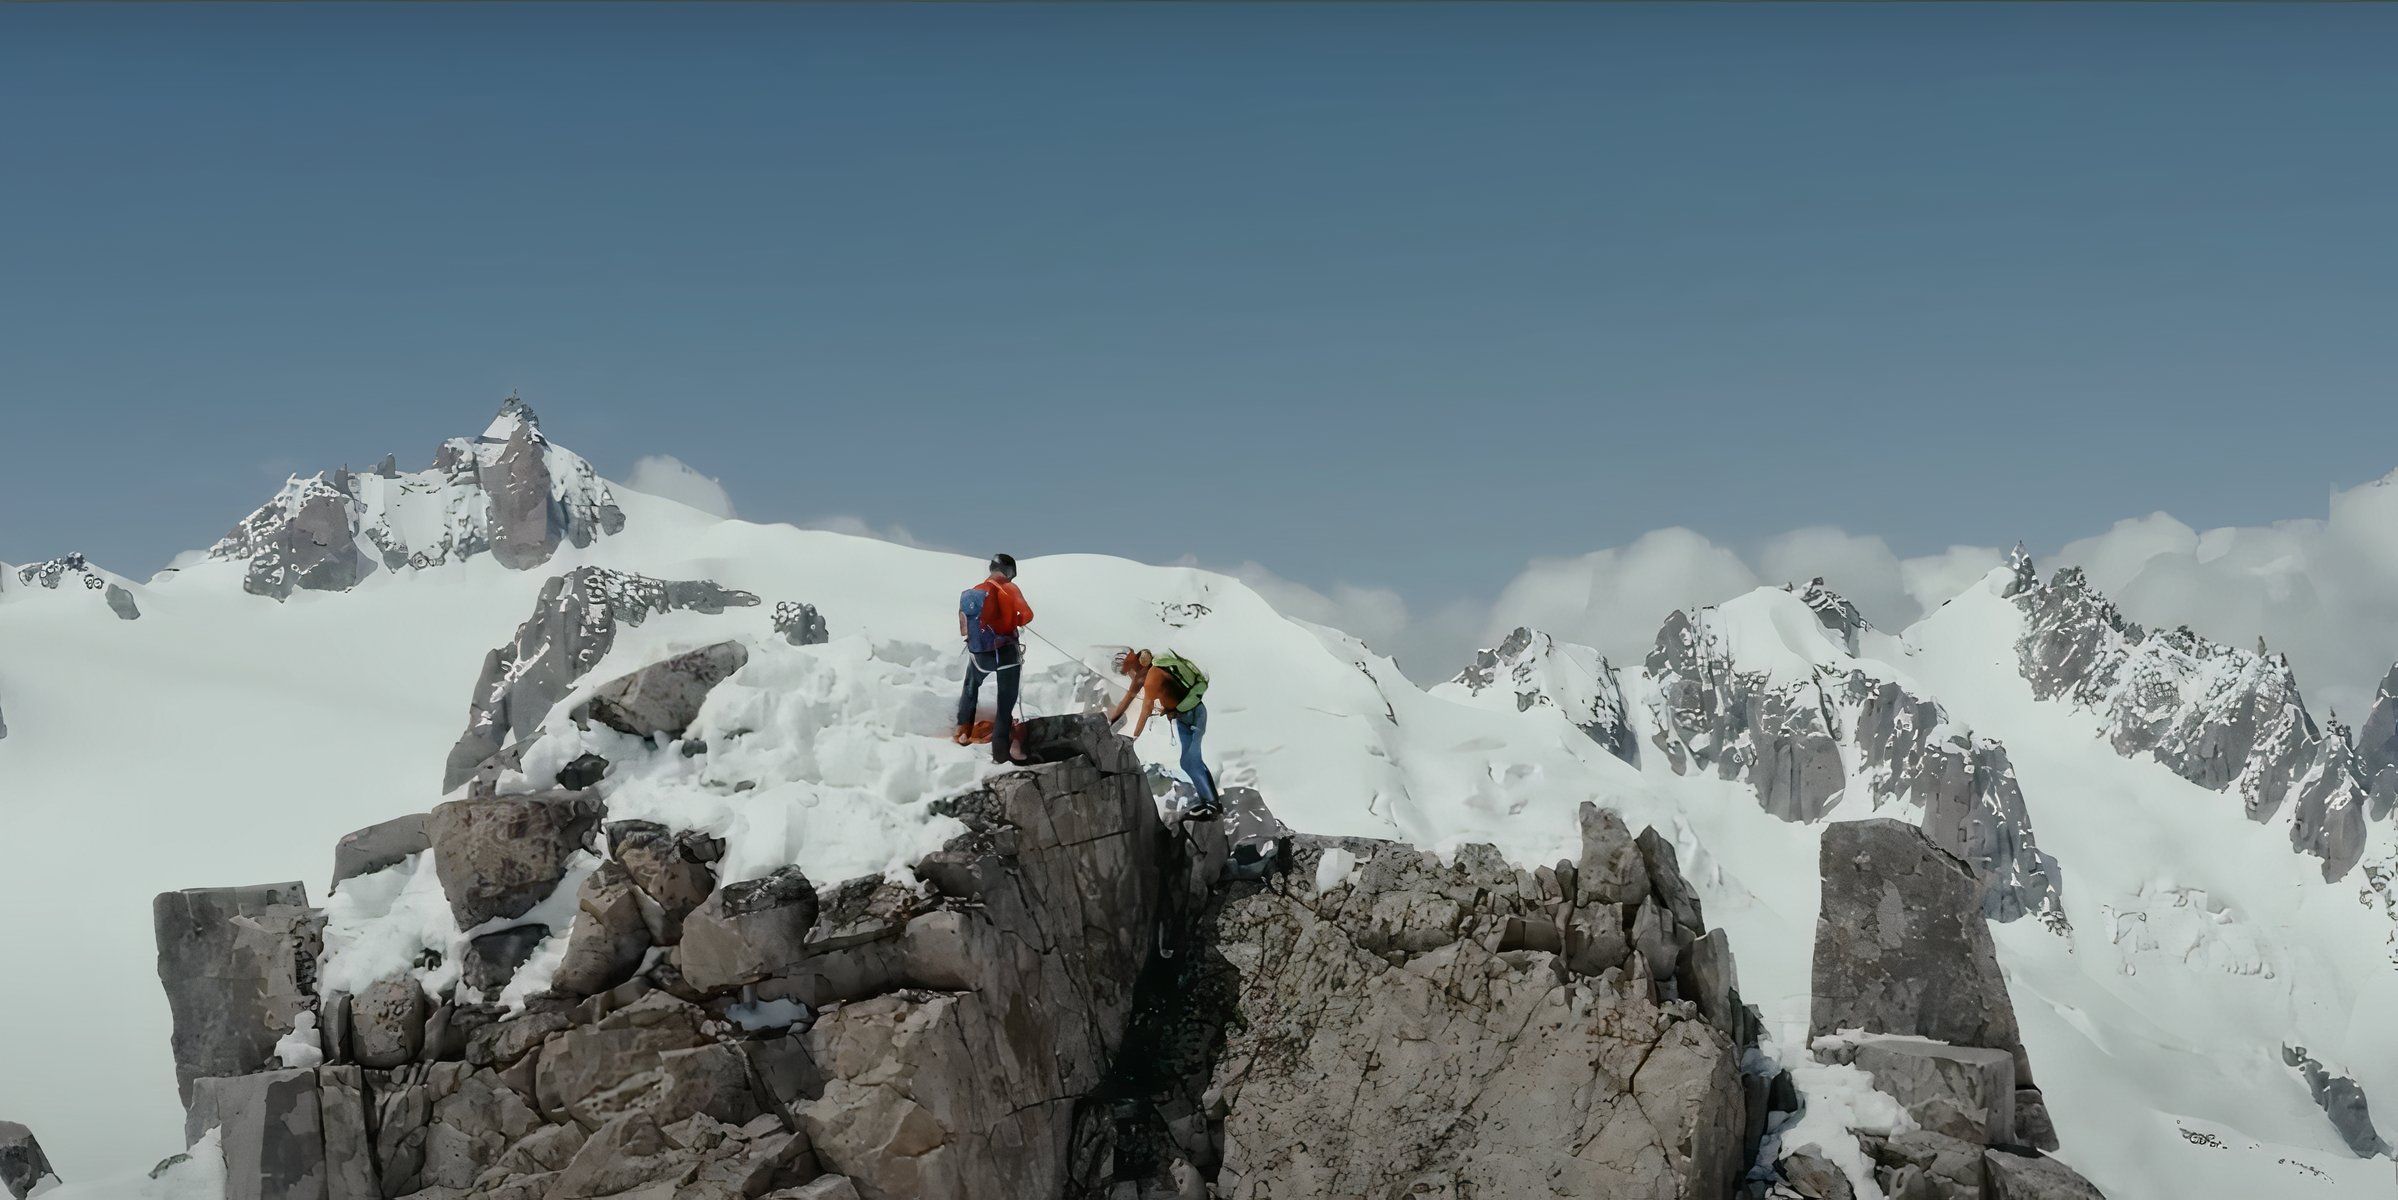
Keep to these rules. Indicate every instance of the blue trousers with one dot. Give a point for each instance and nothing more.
(1189, 728)
(1007, 663)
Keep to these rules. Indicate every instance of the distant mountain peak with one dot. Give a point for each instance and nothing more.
(508, 492)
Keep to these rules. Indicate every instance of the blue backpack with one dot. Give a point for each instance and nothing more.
(980, 638)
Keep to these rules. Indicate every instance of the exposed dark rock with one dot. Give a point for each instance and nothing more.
(306, 538)
(499, 856)
(492, 959)
(663, 698)
(23, 1166)
(584, 772)
(1965, 1092)
(378, 846)
(2342, 1100)
(670, 869)
(239, 967)
(800, 624)
(121, 603)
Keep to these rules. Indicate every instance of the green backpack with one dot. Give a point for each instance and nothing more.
(1186, 675)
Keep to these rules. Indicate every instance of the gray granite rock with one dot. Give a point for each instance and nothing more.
(378, 846)
(663, 699)
(748, 931)
(610, 936)
(499, 856)
(2014, 1176)
(1965, 1092)
(1901, 946)
(525, 528)
(387, 1023)
(239, 967)
(121, 603)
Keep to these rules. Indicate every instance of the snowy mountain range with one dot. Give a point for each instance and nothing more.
(2190, 880)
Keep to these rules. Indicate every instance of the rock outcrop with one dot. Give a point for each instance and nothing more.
(239, 967)
(1404, 1026)
(1907, 989)
(2219, 716)
(763, 1037)
(2342, 1100)
(1803, 741)
(573, 626)
(662, 699)
(77, 569)
(24, 1169)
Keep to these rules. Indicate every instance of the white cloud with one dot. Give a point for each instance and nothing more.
(669, 478)
(2325, 592)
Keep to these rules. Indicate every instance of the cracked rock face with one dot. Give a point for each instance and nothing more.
(2218, 716)
(1802, 743)
(1418, 1028)
(573, 626)
(498, 856)
(663, 699)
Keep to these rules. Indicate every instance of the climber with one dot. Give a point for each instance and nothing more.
(989, 614)
(1171, 684)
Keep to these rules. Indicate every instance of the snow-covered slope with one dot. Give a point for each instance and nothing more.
(2163, 947)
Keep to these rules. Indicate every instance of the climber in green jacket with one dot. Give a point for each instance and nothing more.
(1171, 684)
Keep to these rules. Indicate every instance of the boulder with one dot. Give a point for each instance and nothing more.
(387, 1023)
(288, 1135)
(239, 967)
(1965, 1092)
(609, 939)
(2015, 1176)
(584, 772)
(1922, 1165)
(375, 847)
(670, 869)
(1077, 735)
(1812, 1178)
(1901, 946)
(748, 931)
(121, 603)
(23, 1166)
(498, 856)
(664, 698)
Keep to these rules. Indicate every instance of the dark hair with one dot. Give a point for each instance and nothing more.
(1004, 564)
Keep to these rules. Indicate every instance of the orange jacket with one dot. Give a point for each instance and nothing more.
(1005, 611)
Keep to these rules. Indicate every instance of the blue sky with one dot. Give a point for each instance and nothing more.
(1388, 296)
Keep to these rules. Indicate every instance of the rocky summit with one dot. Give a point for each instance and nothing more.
(517, 834)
